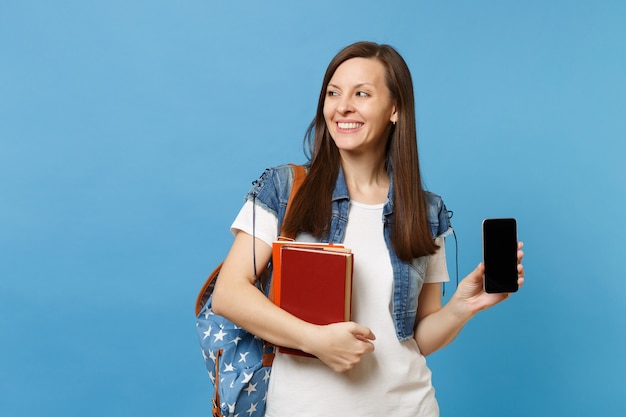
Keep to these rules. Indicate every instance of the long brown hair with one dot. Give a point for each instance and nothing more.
(311, 208)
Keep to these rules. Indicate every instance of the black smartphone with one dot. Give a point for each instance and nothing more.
(500, 255)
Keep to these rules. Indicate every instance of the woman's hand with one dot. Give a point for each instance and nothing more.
(340, 345)
(473, 297)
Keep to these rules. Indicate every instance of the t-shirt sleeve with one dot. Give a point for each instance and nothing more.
(437, 269)
(265, 224)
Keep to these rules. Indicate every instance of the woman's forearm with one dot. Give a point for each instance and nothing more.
(438, 329)
(242, 303)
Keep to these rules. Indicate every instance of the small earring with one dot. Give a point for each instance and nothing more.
(394, 122)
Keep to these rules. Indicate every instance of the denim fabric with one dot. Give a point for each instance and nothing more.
(271, 191)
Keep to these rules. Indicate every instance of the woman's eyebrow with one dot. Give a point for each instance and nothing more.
(359, 85)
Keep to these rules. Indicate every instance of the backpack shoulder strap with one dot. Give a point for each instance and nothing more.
(299, 174)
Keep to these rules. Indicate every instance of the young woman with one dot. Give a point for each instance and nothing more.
(363, 189)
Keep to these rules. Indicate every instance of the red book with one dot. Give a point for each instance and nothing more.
(277, 246)
(315, 283)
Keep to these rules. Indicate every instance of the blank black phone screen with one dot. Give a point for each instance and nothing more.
(500, 255)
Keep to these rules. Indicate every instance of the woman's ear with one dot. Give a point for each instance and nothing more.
(394, 115)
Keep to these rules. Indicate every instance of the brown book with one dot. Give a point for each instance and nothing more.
(314, 283)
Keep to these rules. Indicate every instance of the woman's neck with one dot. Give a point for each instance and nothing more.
(367, 181)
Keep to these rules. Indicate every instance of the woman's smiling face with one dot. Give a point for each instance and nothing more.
(358, 108)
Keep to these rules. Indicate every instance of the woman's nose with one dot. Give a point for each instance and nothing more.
(345, 105)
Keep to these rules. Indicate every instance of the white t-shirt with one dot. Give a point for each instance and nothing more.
(394, 380)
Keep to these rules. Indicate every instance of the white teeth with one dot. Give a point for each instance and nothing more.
(349, 125)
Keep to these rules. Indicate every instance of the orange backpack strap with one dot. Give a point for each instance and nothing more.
(299, 174)
(207, 289)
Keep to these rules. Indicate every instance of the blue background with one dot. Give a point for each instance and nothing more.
(130, 132)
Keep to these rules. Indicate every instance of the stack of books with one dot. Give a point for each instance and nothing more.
(312, 281)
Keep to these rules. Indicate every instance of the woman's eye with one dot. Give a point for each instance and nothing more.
(331, 93)
(362, 94)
